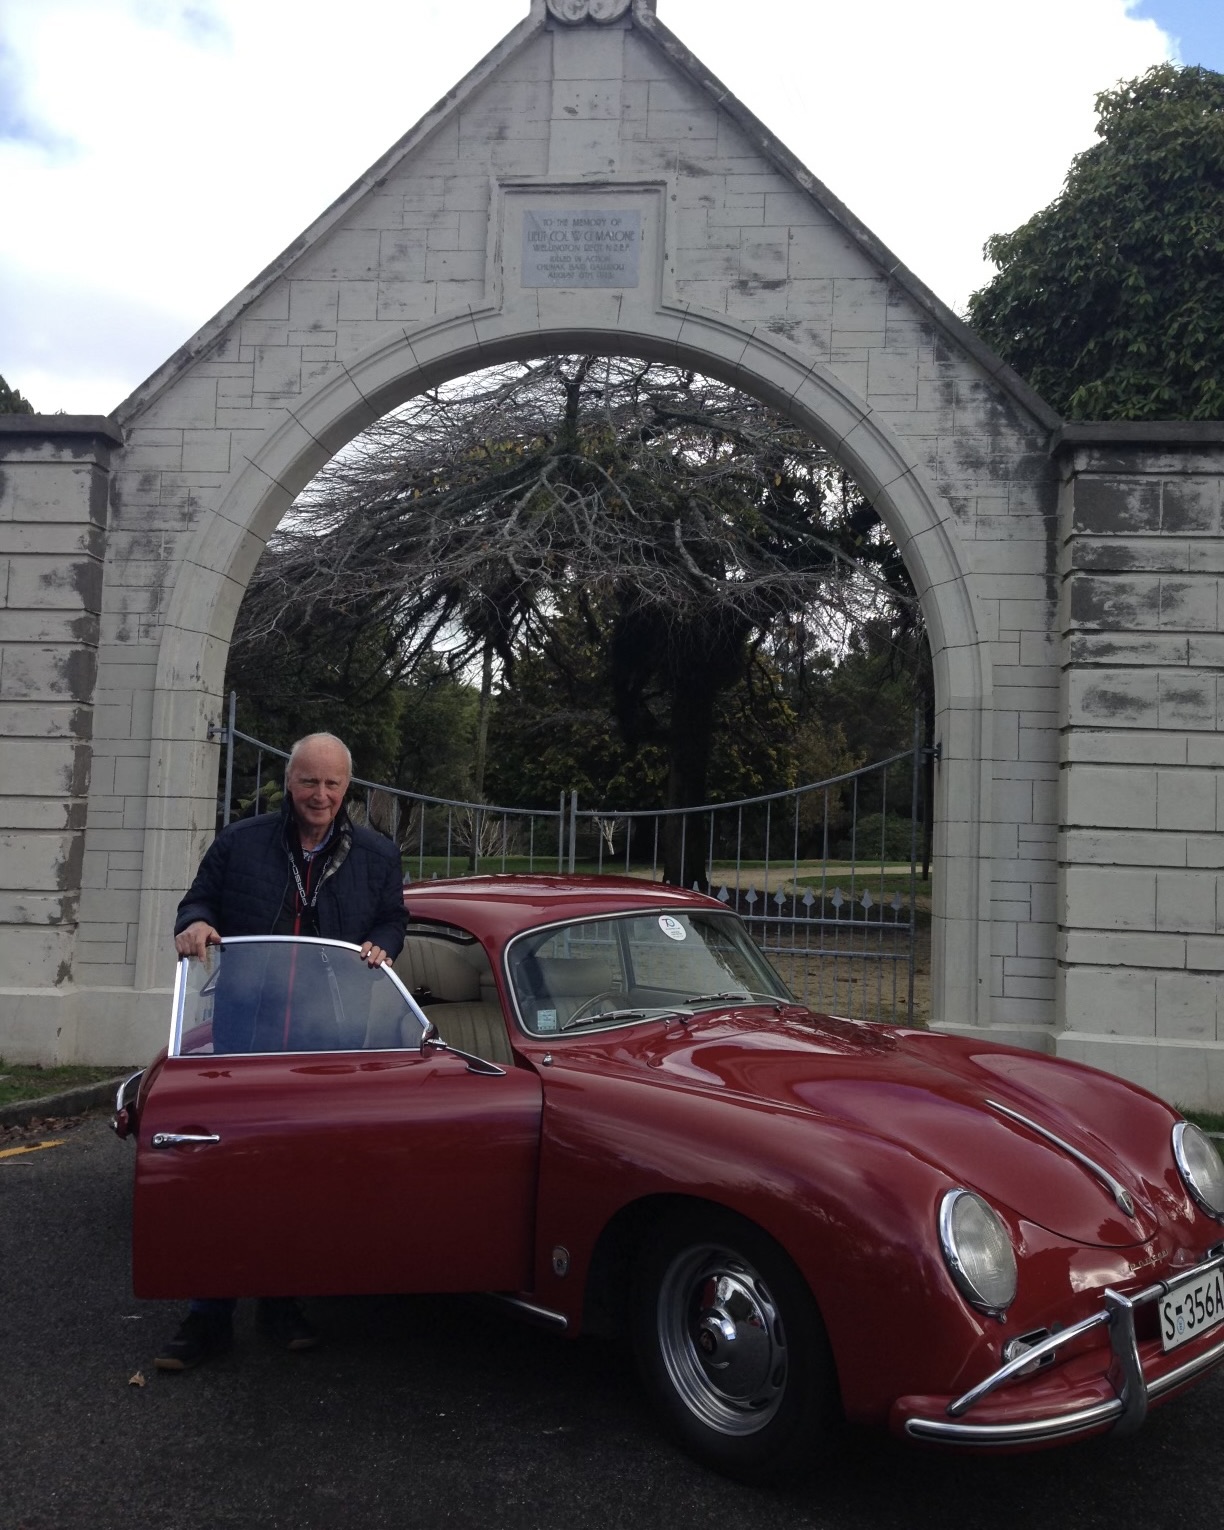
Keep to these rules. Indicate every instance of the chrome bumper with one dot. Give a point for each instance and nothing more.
(1123, 1413)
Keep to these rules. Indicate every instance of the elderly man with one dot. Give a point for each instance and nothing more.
(305, 871)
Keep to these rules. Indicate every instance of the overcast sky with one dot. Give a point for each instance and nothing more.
(155, 155)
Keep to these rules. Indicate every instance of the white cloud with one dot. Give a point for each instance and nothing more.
(164, 151)
(937, 123)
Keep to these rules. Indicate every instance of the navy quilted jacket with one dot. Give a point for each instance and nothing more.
(244, 881)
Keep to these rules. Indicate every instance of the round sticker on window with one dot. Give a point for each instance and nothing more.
(672, 928)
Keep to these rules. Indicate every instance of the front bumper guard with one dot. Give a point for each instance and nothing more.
(1123, 1413)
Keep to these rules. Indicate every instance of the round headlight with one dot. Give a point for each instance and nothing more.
(978, 1250)
(1201, 1168)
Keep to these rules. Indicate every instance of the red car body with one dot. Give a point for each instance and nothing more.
(722, 1152)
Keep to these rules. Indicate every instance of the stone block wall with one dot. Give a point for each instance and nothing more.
(1141, 853)
(54, 481)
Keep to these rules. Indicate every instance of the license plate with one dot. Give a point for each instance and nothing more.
(1191, 1309)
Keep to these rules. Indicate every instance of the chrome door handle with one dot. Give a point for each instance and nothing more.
(177, 1139)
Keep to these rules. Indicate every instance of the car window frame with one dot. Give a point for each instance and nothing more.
(179, 1001)
(622, 915)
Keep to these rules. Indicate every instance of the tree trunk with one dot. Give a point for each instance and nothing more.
(686, 836)
(482, 749)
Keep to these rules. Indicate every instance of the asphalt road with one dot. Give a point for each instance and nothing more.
(438, 1413)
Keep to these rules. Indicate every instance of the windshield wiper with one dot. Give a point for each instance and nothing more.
(655, 1012)
(604, 1014)
(739, 997)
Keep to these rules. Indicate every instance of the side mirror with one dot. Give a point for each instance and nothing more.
(125, 1121)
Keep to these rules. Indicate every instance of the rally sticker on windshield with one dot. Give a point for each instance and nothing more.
(672, 928)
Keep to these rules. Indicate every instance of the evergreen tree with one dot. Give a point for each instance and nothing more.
(11, 402)
(1110, 301)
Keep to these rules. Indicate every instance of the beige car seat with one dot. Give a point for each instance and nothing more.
(454, 986)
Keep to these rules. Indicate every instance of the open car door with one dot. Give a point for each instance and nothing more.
(305, 1137)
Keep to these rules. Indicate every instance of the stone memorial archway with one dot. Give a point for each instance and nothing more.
(590, 186)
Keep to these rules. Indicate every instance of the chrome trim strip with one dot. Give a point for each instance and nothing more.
(1120, 1193)
(1125, 1412)
(1063, 1424)
(475, 1063)
(1188, 1371)
(644, 909)
(530, 1309)
(180, 987)
(123, 1088)
(1022, 1362)
(1126, 1370)
(299, 940)
(1030, 1433)
(1183, 1168)
(952, 1258)
(176, 1007)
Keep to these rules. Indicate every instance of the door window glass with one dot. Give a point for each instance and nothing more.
(285, 995)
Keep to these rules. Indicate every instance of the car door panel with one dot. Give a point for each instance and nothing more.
(335, 1174)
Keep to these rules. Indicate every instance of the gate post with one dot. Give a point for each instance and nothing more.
(54, 482)
(1140, 982)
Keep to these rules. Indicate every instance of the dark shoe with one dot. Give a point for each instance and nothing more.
(200, 1336)
(280, 1319)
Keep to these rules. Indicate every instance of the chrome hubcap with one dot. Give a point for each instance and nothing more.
(721, 1340)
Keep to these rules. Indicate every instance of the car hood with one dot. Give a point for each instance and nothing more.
(947, 1100)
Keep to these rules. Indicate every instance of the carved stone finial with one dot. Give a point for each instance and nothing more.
(574, 11)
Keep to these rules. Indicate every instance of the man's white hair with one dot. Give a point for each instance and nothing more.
(319, 738)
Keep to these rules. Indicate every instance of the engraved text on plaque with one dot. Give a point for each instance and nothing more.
(587, 248)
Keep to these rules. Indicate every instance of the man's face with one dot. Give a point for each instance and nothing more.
(317, 782)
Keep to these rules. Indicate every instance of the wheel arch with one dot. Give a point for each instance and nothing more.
(606, 1297)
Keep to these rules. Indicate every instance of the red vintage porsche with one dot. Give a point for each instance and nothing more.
(594, 1098)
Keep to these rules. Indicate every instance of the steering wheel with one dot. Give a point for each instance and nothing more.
(591, 1006)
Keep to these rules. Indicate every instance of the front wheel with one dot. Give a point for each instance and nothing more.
(731, 1346)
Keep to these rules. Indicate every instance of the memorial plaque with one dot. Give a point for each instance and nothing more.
(587, 248)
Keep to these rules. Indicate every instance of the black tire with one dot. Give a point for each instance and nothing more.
(732, 1349)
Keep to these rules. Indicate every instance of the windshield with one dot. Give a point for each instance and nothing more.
(279, 994)
(636, 966)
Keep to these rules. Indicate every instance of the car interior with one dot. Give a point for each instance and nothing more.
(453, 983)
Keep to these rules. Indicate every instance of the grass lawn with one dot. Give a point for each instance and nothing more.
(18, 1082)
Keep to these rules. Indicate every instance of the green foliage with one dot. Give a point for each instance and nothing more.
(11, 401)
(437, 731)
(321, 675)
(556, 728)
(415, 734)
(1110, 301)
(879, 836)
(330, 675)
(872, 693)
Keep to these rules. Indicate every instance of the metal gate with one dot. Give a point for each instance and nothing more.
(825, 875)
